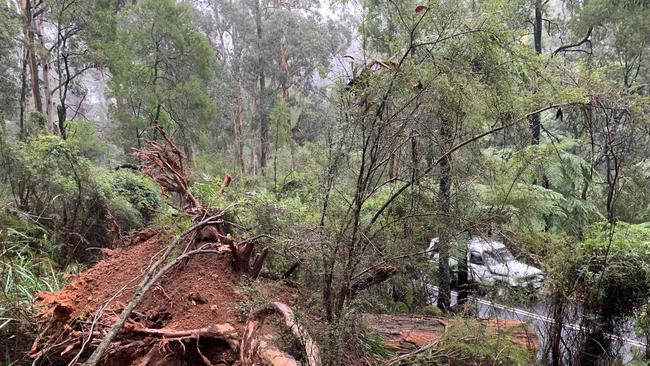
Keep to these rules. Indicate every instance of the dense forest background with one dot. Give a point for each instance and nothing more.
(354, 132)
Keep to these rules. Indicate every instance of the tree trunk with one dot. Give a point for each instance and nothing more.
(264, 122)
(239, 125)
(463, 277)
(46, 80)
(23, 95)
(535, 119)
(444, 192)
(254, 140)
(31, 55)
(555, 333)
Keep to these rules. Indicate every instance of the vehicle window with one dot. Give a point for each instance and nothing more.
(475, 258)
(501, 255)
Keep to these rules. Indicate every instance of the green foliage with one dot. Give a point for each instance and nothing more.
(281, 123)
(559, 205)
(140, 192)
(9, 65)
(71, 196)
(621, 32)
(468, 342)
(36, 123)
(160, 64)
(86, 137)
(613, 268)
(26, 267)
(608, 272)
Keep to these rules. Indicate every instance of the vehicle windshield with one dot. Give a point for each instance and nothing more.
(498, 256)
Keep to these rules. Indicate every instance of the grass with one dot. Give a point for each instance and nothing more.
(25, 268)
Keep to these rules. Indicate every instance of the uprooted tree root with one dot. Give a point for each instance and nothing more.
(131, 322)
(110, 336)
(254, 346)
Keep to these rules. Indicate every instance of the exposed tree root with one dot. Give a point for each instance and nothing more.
(164, 163)
(254, 345)
(242, 253)
(112, 335)
(224, 332)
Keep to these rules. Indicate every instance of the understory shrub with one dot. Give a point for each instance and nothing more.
(49, 180)
(26, 267)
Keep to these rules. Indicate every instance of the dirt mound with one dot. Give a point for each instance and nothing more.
(198, 292)
(195, 294)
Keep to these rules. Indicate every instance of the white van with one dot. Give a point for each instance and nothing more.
(491, 263)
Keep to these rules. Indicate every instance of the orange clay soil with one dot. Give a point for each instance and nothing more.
(192, 295)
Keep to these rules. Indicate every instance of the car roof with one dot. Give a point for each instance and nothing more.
(481, 245)
(476, 244)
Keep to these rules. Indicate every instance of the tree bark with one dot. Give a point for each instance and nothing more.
(252, 342)
(444, 192)
(535, 119)
(23, 95)
(28, 36)
(254, 140)
(264, 122)
(46, 79)
(239, 124)
(463, 277)
(282, 61)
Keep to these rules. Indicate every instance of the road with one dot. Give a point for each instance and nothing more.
(536, 315)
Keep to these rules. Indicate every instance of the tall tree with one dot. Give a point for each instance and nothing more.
(161, 65)
(10, 63)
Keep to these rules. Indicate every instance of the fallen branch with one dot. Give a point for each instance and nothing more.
(252, 341)
(379, 275)
(397, 360)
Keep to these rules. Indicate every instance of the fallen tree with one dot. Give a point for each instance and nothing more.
(127, 321)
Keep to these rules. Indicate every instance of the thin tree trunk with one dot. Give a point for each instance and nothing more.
(46, 79)
(23, 95)
(254, 140)
(282, 60)
(264, 122)
(239, 124)
(463, 277)
(535, 119)
(444, 192)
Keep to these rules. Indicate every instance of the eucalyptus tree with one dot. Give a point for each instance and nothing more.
(615, 34)
(72, 35)
(268, 55)
(161, 65)
(9, 65)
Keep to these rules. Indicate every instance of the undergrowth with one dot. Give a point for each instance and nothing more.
(26, 268)
(467, 342)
